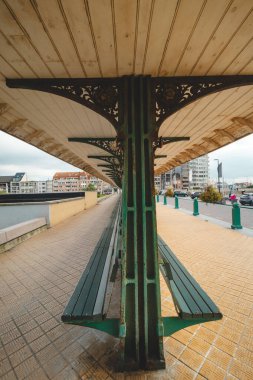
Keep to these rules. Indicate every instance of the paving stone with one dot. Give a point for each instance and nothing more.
(38, 278)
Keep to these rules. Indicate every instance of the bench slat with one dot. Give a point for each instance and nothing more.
(84, 299)
(193, 297)
(207, 300)
(188, 296)
(71, 309)
(92, 296)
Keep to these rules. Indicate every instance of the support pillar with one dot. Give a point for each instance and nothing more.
(236, 217)
(195, 207)
(141, 327)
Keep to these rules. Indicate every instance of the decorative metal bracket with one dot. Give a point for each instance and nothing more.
(108, 144)
(106, 95)
(102, 95)
(110, 159)
(160, 156)
(173, 93)
(160, 141)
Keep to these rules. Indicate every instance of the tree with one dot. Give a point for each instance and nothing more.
(211, 195)
(90, 187)
(169, 192)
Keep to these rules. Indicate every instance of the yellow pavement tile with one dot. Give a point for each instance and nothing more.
(38, 278)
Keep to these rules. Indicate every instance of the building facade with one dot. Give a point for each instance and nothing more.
(77, 181)
(6, 181)
(31, 187)
(194, 175)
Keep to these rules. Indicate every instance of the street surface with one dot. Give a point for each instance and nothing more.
(221, 212)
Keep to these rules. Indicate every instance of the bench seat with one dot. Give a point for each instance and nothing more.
(87, 301)
(190, 300)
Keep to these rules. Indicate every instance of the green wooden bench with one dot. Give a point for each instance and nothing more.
(87, 302)
(192, 303)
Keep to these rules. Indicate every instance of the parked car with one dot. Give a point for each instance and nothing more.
(180, 193)
(246, 199)
(196, 194)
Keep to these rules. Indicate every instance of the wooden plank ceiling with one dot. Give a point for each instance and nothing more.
(107, 38)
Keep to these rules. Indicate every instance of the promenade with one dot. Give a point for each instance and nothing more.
(38, 276)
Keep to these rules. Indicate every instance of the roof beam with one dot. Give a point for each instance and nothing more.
(4, 107)
(243, 122)
(223, 132)
(34, 135)
(209, 140)
(12, 127)
(199, 149)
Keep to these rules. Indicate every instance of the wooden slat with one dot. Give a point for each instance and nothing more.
(81, 30)
(103, 29)
(213, 13)
(188, 14)
(162, 21)
(57, 30)
(82, 303)
(181, 282)
(32, 27)
(229, 25)
(125, 20)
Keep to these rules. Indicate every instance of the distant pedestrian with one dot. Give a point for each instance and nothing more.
(233, 198)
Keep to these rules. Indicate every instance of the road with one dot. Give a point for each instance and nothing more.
(221, 212)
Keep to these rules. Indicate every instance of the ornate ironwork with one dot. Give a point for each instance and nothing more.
(160, 156)
(110, 159)
(173, 93)
(108, 144)
(160, 141)
(101, 95)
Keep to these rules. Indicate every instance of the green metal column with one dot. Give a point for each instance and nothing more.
(176, 202)
(195, 207)
(236, 217)
(141, 328)
(165, 200)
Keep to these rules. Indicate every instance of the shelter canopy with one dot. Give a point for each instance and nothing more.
(104, 38)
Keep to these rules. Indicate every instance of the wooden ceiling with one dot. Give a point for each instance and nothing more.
(106, 38)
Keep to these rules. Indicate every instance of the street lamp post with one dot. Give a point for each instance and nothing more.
(218, 172)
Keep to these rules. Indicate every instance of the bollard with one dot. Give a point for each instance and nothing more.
(195, 207)
(176, 202)
(236, 217)
(165, 200)
(157, 198)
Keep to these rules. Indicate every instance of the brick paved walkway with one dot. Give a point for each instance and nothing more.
(38, 276)
(221, 261)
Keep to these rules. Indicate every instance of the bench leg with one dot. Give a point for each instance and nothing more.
(110, 326)
(174, 324)
(141, 323)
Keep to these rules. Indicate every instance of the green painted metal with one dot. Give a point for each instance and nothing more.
(174, 324)
(195, 207)
(160, 156)
(176, 202)
(141, 322)
(110, 326)
(165, 200)
(88, 140)
(136, 107)
(157, 198)
(236, 217)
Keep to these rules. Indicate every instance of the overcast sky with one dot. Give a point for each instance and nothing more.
(17, 156)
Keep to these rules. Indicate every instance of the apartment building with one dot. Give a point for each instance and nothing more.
(77, 181)
(194, 175)
(31, 187)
